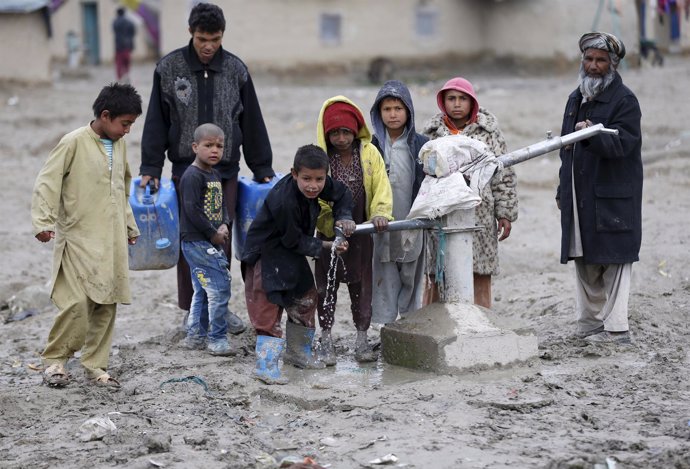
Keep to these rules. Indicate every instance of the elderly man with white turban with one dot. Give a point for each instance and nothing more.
(600, 191)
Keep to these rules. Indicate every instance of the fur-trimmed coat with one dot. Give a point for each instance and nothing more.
(499, 198)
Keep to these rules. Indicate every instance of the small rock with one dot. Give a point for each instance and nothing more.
(158, 442)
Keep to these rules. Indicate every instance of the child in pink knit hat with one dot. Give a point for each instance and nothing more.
(461, 114)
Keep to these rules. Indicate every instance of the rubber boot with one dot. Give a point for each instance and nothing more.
(299, 351)
(268, 350)
(364, 353)
(326, 348)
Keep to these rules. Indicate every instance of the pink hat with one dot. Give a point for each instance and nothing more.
(459, 84)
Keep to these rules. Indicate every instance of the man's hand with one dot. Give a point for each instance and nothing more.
(132, 241)
(145, 180)
(583, 124)
(504, 227)
(348, 226)
(380, 224)
(45, 236)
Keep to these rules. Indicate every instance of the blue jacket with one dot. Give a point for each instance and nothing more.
(608, 177)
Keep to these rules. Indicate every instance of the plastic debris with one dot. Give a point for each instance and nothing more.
(21, 315)
(193, 379)
(265, 461)
(661, 266)
(328, 441)
(387, 459)
(96, 428)
(372, 442)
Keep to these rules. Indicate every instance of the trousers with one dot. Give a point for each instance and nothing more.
(81, 324)
(601, 295)
(266, 316)
(211, 282)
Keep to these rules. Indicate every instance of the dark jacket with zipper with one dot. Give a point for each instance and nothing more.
(282, 236)
(608, 177)
(186, 94)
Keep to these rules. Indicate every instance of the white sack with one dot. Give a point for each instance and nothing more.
(440, 196)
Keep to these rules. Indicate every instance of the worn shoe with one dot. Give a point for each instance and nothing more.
(235, 324)
(220, 348)
(582, 335)
(364, 353)
(56, 376)
(610, 338)
(194, 343)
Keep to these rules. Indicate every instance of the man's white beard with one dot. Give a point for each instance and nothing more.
(593, 86)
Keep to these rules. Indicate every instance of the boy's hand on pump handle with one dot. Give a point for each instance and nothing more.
(380, 224)
(348, 226)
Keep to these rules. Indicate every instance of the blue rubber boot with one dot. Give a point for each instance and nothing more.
(300, 352)
(268, 350)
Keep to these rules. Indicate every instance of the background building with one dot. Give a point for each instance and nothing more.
(301, 36)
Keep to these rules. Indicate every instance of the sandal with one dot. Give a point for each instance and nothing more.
(55, 376)
(107, 381)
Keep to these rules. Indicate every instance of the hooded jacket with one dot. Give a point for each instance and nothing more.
(377, 189)
(397, 89)
(499, 197)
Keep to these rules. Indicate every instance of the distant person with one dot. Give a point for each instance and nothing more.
(600, 191)
(80, 199)
(356, 163)
(461, 114)
(204, 228)
(397, 268)
(73, 49)
(194, 85)
(275, 269)
(124, 31)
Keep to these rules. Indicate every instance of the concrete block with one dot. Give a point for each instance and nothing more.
(455, 338)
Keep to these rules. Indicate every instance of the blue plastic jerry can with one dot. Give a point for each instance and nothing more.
(158, 218)
(250, 198)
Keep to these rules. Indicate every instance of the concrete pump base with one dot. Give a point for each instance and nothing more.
(455, 338)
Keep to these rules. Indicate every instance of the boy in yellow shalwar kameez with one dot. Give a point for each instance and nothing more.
(80, 199)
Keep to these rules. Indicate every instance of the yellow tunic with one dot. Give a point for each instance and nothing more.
(86, 205)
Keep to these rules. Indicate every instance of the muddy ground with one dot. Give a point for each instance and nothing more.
(575, 406)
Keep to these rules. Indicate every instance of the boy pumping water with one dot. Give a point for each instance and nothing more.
(275, 269)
